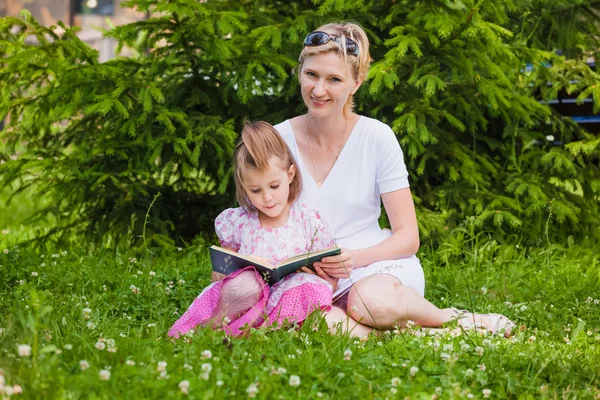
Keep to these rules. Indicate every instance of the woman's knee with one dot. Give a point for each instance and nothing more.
(378, 302)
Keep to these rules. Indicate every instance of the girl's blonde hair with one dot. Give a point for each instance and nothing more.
(360, 65)
(259, 143)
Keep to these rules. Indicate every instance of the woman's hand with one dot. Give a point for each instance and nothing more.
(321, 274)
(338, 266)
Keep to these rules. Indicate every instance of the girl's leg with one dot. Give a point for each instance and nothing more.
(382, 302)
(237, 296)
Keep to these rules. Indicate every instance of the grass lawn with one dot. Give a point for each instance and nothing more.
(77, 321)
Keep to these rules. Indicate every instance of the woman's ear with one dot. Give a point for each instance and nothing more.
(357, 84)
(291, 173)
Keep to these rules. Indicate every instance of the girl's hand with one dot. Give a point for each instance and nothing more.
(338, 266)
(321, 274)
(216, 276)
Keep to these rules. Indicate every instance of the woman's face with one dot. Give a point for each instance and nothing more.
(326, 82)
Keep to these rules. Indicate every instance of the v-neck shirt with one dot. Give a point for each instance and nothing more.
(370, 163)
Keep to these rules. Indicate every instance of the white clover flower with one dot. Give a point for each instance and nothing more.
(484, 290)
(479, 350)
(482, 367)
(294, 380)
(550, 138)
(42, 264)
(219, 383)
(523, 308)
(470, 395)
(161, 366)
(100, 345)
(86, 312)
(8, 390)
(347, 354)
(206, 367)
(445, 356)
(181, 282)
(393, 390)
(184, 386)
(354, 308)
(396, 381)
(179, 249)
(252, 390)
(486, 393)
(17, 389)
(152, 273)
(134, 289)
(104, 374)
(83, 364)
(206, 354)
(410, 324)
(131, 363)
(413, 371)
(91, 325)
(319, 394)
(469, 373)
(24, 350)
(438, 391)
(5, 251)
(33, 273)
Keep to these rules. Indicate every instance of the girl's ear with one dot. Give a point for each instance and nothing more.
(291, 173)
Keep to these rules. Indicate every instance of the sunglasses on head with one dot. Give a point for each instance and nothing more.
(318, 38)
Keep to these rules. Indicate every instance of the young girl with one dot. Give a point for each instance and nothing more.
(269, 225)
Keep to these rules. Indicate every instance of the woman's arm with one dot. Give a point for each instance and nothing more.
(404, 241)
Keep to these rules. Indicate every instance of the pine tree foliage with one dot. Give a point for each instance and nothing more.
(464, 84)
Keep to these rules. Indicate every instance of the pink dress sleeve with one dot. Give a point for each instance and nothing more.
(320, 231)
(225, 227)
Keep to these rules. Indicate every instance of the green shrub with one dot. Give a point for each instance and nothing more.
(102, 139)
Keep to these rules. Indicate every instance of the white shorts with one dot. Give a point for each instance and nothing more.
(407, 270)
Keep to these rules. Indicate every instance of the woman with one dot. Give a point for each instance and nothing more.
(350, 163)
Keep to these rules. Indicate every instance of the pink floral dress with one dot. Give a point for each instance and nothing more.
(291, 299)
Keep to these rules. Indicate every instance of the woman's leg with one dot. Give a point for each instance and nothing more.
(339, 322)
(382, 302)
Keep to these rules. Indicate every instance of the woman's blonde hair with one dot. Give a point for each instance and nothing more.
(360, 65)
(259, 143)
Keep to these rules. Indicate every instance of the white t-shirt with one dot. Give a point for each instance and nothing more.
(371, 163)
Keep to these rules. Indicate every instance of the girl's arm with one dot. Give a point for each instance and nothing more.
(404, 241)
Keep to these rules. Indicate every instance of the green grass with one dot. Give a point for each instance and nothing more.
(545, 290)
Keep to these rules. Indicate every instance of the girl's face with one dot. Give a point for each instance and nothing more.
(269, 191)
(326, 82)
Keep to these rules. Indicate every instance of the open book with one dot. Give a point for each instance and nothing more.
(226, 261)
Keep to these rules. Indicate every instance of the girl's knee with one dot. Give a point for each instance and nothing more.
(244, 288)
